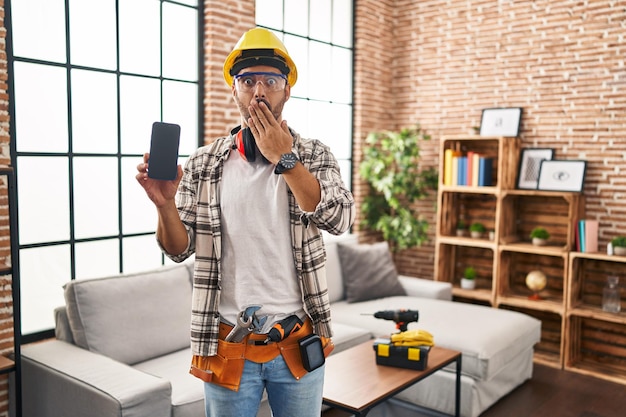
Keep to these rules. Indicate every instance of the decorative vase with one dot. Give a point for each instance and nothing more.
(619, 250)
(468, 284)
(476, 235)
(537, 241)
(610, 295)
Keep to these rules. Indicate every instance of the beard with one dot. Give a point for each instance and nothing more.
(277, 110)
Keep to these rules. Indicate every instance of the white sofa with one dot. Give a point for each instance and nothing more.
(497, 345)
(122, 345)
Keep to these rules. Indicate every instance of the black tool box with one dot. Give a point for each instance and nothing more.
(411, 357)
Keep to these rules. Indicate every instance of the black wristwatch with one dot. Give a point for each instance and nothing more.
(287, 161)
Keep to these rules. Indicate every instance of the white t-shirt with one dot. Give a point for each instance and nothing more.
(257, 260)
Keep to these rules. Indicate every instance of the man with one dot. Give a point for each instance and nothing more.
(251, 206)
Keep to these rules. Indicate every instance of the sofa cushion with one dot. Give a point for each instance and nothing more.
(346, 336)
(187, 390)
(333, 267)
(368, 271)
(134, 317)
(333, 273)
(63, 380)
(488, 337)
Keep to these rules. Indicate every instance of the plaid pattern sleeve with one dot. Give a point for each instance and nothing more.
(336, 211)
(335, 214)
(199, 209)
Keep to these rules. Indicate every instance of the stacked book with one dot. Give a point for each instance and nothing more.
(586, 236)
(471, 168)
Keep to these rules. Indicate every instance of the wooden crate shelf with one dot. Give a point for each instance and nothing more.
(455, 258)
(595, 339)
(471, 207)
(576, 334)
(589, 277)
(473, 300)
(515, 266)
(557, 212)
(550, 348)
(596, 347)
(503, 150)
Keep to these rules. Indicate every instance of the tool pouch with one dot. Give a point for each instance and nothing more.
(223, 369)
(311, 352)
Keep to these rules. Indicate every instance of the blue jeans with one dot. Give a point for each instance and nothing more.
(288, 397)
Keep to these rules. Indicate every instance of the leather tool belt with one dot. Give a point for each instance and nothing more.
(225, 368)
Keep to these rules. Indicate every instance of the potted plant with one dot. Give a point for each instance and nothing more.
(391, 167)
(477, 229)
(539, 236)
(619, 245)
(461, 228)
(468, 282)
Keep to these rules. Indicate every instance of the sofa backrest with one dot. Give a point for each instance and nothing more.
(334, 277)
(132, 318)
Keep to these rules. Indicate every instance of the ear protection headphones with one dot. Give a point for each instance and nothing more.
(246, 145)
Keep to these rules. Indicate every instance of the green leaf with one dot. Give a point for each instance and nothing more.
(391, 168)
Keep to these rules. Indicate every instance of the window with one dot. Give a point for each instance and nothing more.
(87, 81)
(318, 36)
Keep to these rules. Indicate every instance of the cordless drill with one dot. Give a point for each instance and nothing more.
(284, 328)
(401, 317)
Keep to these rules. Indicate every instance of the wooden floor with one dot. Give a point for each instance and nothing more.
(556, 393)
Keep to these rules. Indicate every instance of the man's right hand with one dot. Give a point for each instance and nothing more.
(161, 192)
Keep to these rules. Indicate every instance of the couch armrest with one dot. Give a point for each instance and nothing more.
(62, 329)
(61, 379)
(419, 287)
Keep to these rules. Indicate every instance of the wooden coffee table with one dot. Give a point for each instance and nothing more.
(355, 383)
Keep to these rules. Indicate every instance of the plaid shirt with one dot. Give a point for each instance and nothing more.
(198, 202)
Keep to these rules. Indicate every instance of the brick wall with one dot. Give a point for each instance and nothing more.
(225, 22)
(562, 61)
(6, 298)
(439, 63)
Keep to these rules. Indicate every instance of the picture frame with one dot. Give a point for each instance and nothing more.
(501, 121)
(529, 166)
(562, 175)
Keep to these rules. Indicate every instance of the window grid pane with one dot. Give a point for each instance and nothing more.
(92, 26)
(318, 36)
(81, 128)
(41, 108)
(38, 28)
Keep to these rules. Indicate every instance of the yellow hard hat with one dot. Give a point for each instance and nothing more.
(259, 46)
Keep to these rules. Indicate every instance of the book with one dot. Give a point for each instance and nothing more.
(485, 171)
(470, 169)
(447, 166)
(454, 172)
(581, 235)
(475, 168)
(591, 235)
(462, 171)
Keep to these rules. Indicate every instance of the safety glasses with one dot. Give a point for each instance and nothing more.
(271, 81)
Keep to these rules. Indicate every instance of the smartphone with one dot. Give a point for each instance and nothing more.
(164, 142)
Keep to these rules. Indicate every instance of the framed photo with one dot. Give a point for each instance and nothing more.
(503, 121)
(560, 175)
(529, 165)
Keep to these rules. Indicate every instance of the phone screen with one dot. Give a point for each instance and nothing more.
(163, 161)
